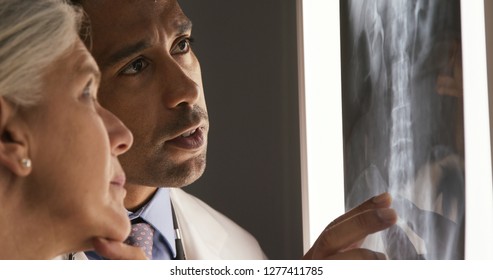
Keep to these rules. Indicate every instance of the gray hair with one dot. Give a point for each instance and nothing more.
(33, 34)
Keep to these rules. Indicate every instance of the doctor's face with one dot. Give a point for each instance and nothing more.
(151, 80)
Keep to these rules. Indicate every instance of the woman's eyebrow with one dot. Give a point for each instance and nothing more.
(89, 69)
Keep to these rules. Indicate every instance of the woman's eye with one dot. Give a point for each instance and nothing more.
(135, 67)
(183, 46)
(86, 92)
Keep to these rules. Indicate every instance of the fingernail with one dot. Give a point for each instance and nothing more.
(382, 198)
(387, 214)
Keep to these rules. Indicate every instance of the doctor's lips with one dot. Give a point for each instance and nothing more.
(190, 140)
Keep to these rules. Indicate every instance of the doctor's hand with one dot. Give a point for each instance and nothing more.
(117, 250)
(342, 238)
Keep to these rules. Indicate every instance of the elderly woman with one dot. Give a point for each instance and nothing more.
(61, 185)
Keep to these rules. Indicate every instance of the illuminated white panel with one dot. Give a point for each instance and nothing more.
(321, 123)
(321, 115)
(479, 196)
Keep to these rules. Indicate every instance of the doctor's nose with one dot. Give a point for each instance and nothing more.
(181, 88)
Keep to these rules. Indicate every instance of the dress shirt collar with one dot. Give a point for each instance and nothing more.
(158, 214)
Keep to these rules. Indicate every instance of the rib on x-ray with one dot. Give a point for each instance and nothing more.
(403, 121)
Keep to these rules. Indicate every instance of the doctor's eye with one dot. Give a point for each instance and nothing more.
(135, 67)
(183, 46)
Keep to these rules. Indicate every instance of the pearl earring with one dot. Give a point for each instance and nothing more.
(26, 163)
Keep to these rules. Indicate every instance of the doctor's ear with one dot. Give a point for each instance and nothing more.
(13, 140)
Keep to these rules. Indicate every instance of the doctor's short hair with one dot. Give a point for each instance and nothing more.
(33, 34)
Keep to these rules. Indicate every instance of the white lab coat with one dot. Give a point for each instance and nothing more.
(209, 235)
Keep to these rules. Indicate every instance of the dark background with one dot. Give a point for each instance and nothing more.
(248, 56)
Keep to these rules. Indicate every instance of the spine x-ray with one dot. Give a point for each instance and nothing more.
(403, 121)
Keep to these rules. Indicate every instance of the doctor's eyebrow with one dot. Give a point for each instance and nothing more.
(183, 26)
(126, 51)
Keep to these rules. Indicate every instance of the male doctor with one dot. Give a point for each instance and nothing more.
(152, 81)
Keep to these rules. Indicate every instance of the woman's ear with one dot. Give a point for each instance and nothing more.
(14, 154)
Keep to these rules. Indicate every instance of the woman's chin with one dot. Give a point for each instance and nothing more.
(121, 232)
